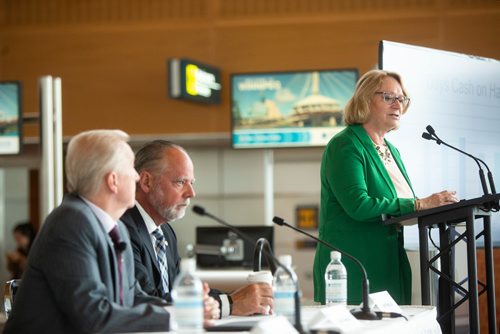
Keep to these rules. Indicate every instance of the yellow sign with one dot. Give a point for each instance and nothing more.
(307, 217)
(200, 82)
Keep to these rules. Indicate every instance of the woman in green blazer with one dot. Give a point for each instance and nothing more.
(363, 177)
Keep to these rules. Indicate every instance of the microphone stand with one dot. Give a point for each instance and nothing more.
(431, 135)
(298, 325)
(364, 313)
(257, 255)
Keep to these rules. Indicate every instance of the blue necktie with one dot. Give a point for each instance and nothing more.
(161, 256)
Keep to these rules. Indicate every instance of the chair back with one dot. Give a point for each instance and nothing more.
(9, 295)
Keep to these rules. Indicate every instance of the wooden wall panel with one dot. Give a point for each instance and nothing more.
(113, 78)
(111, 55)
(469, 33)
(47, 12)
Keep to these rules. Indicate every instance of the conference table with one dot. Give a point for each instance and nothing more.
(421, 320)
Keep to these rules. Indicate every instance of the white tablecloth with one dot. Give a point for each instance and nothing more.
(421, 320)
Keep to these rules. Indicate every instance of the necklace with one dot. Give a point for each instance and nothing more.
(384, 153)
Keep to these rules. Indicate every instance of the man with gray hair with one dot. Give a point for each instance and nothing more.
(164, 191)
(80, 273)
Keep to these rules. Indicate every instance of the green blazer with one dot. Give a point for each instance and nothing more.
(355, 191)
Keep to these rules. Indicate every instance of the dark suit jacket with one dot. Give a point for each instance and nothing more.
(70, 285)
(147, 270)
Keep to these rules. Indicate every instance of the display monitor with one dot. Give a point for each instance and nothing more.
(236, 252)
(10, 117)
(289, 109)
(194, 81)
(459, 96)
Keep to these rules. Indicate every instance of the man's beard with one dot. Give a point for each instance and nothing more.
(170, 213)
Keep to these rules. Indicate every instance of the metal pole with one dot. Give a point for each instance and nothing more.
(472, 271)
(47, 146)
(490, 276)
(268, 187)
(58, 142)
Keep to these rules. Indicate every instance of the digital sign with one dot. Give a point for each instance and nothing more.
(192, 80)
(289, 109)
(10, 117)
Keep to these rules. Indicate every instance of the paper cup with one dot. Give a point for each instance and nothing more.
(263, 276)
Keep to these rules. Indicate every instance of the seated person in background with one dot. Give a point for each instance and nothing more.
(75, 281)
(16, 260)
(165, 187)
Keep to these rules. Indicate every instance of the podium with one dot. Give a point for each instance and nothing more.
(446, 218)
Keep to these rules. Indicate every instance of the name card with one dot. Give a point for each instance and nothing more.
(273, 325)
(383, 302)
(335, 317)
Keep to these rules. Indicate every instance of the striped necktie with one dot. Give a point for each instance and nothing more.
(161, 256)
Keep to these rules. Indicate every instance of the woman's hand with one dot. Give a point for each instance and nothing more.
(438, 199)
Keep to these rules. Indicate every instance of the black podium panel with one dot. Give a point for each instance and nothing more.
(446, 218)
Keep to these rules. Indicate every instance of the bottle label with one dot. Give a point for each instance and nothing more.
(284, 304)
(336, 291)
(189, 312)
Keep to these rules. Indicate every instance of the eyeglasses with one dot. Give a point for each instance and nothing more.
(391, 98)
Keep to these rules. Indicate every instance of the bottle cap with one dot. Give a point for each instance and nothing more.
(334, 255)
(188, 265)
(286, 260)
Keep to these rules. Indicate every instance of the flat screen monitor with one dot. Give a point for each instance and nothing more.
(459, 96)
(289, 109)
(10, 117)
(236, 253)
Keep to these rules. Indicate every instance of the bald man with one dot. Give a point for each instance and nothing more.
(164, 191)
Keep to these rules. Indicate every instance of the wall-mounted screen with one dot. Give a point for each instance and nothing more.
(459, 96)
(10, 117)
(289, 109)
(192, 80)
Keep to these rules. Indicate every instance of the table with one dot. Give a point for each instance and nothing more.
(421, 320)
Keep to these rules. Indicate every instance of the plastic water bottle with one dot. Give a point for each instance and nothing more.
(187, 295)
(335, 281)
(284, 290)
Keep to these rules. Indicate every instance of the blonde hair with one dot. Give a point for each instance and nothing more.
(357, 108)
(90, 156)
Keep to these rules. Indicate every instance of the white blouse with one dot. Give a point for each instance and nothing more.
(403, 189)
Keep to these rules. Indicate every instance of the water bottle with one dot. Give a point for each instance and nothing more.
(187, 295)
(335, 281)
(284, 290)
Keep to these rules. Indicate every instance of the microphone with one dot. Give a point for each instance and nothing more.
(202, 212)
(431, 135)
(427, 136)
(199, 210)
(365, 313)
(430, 129)
(121, 246)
